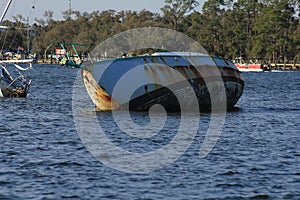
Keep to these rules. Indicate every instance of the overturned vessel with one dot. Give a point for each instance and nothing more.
(14, 87)
(139, 82)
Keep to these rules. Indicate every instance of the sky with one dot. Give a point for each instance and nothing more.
(24, 7)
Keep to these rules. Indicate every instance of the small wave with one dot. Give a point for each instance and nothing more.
(225, 185)
(229, 173)
(66, 163)
(256, 169)
(3, 183)
(279, 109)
(70, 197)
(260, 196)
(9, 197)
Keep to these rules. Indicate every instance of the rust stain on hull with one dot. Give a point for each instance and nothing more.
(99, 96)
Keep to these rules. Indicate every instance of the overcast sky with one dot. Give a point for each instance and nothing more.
(24, 7)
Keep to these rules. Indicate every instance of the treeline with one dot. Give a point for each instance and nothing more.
(263, 29)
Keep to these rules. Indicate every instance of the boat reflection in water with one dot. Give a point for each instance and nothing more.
(139, 82)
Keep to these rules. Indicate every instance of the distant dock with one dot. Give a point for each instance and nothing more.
(272, 66)
(285, 66)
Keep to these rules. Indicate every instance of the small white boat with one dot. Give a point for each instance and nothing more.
(251, 66)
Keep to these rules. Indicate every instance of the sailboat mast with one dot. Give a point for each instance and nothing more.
(5, 10)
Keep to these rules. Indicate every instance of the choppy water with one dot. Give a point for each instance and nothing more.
(256, 157)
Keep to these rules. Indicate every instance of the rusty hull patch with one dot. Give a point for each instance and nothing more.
(99, 96)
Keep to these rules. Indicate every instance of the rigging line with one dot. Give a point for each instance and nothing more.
(5, 36)
(11, 13)
(13, 9)
(32, 9)
(15, 35)
(17, 28)
(2, 34)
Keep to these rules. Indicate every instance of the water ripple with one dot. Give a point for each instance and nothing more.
(257, 156)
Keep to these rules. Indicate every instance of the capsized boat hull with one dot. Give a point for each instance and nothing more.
(14, 92)
(168, 79)
(13, 88)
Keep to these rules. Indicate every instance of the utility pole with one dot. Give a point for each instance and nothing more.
(28, 37)
(70, 9)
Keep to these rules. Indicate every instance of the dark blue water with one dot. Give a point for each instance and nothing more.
(256, 157)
